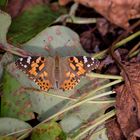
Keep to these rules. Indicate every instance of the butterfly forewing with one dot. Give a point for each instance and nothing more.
(82, 64)
(37, 68)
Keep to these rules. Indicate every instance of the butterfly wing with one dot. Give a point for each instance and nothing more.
(37, 69)
(82, 64)
(68, 80)
(74, 68)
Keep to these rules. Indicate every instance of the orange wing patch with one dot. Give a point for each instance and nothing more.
(71, 82)
(44, 84)
(77, 66)
(37, 64)
(43, 81)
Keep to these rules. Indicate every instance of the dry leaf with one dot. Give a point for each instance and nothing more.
(128, 100)
(89, 41)
(64, 2)
(118, 12)
(113, 130)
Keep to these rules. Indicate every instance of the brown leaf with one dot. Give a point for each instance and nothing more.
(89, 42)
(113, 69)
(113, 131)
(128, 100)
(64, 2)
(104, 26)
(137, 133)
(117, 12)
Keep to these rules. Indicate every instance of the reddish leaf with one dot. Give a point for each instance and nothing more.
(89, 42)
(16, 7)
(128, 100)
(117, 12)
(113, 131)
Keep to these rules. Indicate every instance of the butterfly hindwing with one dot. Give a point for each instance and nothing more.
(70, 80)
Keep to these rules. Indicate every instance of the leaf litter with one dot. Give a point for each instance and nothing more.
(128, 101)
(117, 12)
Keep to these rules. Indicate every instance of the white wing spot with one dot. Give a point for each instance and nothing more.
(88, 65)
(85, 59)
(92, 58)
(29, 59)
(25, 66)
(21, 64)
(21, 59)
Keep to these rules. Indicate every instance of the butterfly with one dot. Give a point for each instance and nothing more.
(56, 72)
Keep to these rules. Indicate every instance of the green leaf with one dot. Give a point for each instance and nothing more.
(31, 22)
(15, 102)
(5, 21)
(55, 40)
(11, 125)
(3, 3)
(7, 138)
(76, 117)
(46, 105)
(48, 131)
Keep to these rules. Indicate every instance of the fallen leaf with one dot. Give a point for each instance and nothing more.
(118, 12)
(128, 100)
(104, 26)
(89, 41)
(64, 2)
(113, 130)
(137, 132)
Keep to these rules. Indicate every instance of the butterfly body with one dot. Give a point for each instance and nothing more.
(56, 72)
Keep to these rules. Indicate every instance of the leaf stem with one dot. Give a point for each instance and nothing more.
(104, 86)
(81, 101)
(95, 101)
(102, 54)
(78, 103)
(97, 121)
(134, 50)
(16, 132)
(96, 75)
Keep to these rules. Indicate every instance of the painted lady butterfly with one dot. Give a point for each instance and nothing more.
(57, 72)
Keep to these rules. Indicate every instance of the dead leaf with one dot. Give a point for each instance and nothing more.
(128, 101)
(89, 41)
(104, 26)
(64, 2)
(112, 69)
(118, 12)
(113, 130)
(137, 133)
